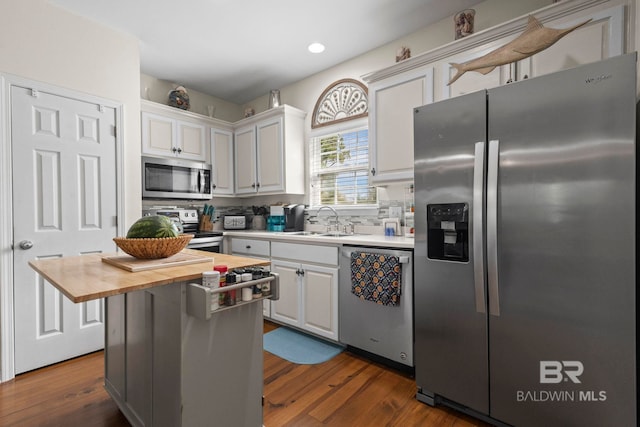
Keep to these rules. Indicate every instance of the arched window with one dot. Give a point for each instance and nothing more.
(339, 151)
(346, 99)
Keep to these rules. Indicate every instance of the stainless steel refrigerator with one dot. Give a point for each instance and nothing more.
(525, 249)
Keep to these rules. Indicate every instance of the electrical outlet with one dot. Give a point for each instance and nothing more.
(395, 211)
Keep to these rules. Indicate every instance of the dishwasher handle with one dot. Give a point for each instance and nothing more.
(402, 259)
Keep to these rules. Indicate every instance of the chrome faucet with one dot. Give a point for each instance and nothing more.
(334, 212)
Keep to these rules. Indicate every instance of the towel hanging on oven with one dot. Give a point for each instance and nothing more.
(376, 277)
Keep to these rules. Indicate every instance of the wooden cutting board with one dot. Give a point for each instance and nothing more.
(129, 263)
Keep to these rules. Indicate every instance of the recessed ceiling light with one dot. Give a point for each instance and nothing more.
(316, 48)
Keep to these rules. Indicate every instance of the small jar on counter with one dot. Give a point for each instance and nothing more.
(222, 270)
(231, 280)
(211, 279)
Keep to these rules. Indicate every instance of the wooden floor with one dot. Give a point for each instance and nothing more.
(346, 391)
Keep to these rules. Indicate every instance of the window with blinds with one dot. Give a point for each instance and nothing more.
(340, 169)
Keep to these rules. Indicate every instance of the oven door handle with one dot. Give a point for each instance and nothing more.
(204, 245)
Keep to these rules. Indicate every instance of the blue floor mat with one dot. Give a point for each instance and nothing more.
(300, 348)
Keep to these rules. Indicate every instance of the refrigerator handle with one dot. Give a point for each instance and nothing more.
(492, 227)
(478, 244)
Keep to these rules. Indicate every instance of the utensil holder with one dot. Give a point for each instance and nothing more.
(205, 223)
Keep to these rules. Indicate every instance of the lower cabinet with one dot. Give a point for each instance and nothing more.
(308, 287)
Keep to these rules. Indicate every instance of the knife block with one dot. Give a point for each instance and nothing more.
(205, 223)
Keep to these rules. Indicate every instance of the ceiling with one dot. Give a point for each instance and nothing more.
(238, 50)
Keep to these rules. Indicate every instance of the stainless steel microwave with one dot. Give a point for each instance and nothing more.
(164, 178)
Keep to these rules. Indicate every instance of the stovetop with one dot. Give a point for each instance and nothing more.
(188, 218)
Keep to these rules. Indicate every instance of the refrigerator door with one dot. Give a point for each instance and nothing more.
(450, 309)
(563, 326)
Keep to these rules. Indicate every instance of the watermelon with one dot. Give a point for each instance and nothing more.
(153, 226)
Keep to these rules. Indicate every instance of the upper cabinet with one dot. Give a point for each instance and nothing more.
(172, 134)
(222, 161)
(601, 38)
(391, 104)
(269, 152)
(396, 90)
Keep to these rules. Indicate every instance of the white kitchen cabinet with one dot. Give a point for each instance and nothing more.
(254, 248)
(163, 135)
(603, 37)
(391, 104)
(308, 287)
(472, 81)
(395, 90)
(222, 161)
(269, 153)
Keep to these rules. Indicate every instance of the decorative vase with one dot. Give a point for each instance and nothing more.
(274, 98)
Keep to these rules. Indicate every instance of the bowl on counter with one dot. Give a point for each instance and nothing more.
(153, 248)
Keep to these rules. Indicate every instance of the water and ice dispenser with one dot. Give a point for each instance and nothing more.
(448, 231)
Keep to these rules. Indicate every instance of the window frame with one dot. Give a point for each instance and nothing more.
(342, 127)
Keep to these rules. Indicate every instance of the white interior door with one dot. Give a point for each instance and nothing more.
(64, 201)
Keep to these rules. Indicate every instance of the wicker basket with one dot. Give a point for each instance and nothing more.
(153, 248)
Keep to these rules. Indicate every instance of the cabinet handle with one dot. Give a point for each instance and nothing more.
(179, 150)
(174, 149)
(248, 247)
(258, 185)
(253, 185)
(373, 171)
(214, 186)
(300, 272)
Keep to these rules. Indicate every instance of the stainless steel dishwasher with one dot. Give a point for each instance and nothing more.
(383, 330)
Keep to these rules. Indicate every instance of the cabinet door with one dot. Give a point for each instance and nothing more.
(191, 141)
(287, 308)
(601, 38)
(245, 160)
(270, 155)
(391, 120)
(158, 135)
(320, 300)
(222, 161)
(473, 81)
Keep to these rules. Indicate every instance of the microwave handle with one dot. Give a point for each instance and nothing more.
(200, 181)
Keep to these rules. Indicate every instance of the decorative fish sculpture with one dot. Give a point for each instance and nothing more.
(535, 38)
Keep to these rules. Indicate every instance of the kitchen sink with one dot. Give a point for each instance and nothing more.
(338, 234)
(303, 233)
(320, 234)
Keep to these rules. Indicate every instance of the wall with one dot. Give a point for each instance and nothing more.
(42, 42)
(157, 90)
(305, 93)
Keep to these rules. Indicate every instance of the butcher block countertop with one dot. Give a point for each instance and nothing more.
(87, 277)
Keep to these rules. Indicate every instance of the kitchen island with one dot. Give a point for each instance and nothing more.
(168, 362)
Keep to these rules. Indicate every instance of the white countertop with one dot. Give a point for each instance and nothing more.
(377, 240)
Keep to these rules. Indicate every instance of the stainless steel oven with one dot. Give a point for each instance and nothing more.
(210, 241)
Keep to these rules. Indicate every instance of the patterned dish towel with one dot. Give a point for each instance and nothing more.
(376, 277)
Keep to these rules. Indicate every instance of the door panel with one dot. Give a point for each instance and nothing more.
(245, 161)
(450, 335)
(321, 300)
(566, 246)
(64, 179)
(270, 154)
(287, 308)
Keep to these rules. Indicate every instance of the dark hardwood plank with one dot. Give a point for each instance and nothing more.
(348, 390)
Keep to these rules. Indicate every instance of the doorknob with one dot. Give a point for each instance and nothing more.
(26, 244)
